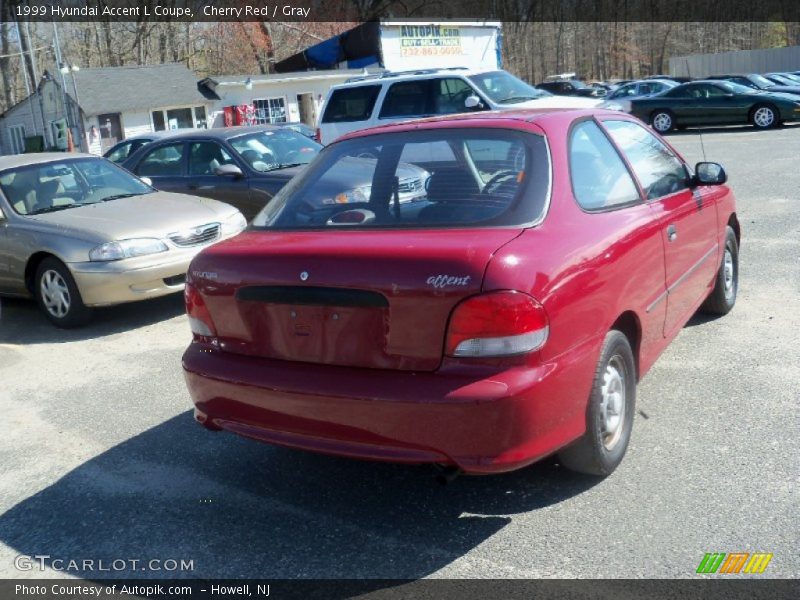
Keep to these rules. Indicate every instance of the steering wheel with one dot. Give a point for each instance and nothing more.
(497, 179)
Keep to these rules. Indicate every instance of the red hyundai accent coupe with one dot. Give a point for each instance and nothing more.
(503, 314)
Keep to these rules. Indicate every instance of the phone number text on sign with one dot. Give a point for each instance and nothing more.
(430, 51)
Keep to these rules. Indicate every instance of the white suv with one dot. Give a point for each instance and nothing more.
(372, 100)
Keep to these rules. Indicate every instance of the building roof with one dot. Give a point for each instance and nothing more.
(124, 89)
(213, 81)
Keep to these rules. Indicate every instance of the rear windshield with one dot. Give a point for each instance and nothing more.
(412, 179)
(351, 104)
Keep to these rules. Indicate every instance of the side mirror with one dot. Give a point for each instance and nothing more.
(709, 173)
(229, 171)
(473, 102)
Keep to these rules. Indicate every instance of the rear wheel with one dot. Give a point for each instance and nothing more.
(764, 116)
(609, 415)
(723, 296)
(662, 121)
(58, 296)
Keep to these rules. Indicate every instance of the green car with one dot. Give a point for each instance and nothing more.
(711, 103)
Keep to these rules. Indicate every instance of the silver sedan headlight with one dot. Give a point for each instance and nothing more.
(127, 249)
(234, 224)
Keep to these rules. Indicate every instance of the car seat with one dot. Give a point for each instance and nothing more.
(448, 189)
(206, 160)
(47, 192)
(22, 191)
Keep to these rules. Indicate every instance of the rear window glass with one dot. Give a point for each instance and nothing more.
(412, 179)
(351, 104)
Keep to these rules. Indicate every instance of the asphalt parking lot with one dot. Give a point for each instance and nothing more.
(100, 457)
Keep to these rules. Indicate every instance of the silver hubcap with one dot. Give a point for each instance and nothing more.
(55, 294)
(728, 272)
(662, 122)
(764, 117)
(612, 407)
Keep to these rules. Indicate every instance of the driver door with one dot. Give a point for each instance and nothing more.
(687, 218)
(201, 179)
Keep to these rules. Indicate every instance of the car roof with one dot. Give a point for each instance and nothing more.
(24, 160)
(155, 135)
(392, 76)
(221, 133)
(511, 119)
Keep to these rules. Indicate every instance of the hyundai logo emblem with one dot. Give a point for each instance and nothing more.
(303, 275)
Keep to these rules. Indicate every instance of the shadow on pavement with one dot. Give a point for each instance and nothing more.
(701, 318)
(238, 508)
(21, 321)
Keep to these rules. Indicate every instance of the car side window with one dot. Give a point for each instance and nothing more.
(450, 95)
(647, 88)
(121, 153)
(406, 99)
(679, 92)
(600, 179)
(351, 104)
(205, 157)
(658, 170)
(164, 161)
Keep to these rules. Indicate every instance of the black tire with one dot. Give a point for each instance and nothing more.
(764, 122)
(598, 452)
(69, 314)
(723, 297)
(662, 120)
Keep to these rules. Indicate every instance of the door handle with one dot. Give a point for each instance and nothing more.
(672, 233)
(192, 186)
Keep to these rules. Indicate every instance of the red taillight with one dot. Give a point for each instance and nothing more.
(199, 318)
(318, 135)
(496, 324)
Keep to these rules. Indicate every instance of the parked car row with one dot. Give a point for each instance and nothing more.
(246, 167)
(764, 101)
(501, 263)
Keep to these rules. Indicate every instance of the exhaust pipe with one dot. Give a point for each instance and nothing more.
(446, 474)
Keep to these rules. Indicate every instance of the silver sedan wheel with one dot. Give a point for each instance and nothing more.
(612, 403)
(662, 122)
(55, 293)
(729, 274)
(764, 117)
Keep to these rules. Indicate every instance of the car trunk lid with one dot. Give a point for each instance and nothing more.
(360, 299)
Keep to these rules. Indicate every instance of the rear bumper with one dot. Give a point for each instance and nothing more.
(479, 423)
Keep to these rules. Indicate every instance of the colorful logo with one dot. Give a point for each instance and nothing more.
(735, 562)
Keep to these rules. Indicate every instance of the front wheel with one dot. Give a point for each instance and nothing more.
(662, 121)
(58, 296)
(723, 296)
(609, 415)
(764, 116)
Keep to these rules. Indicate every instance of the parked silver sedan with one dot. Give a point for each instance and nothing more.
(76, 231)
